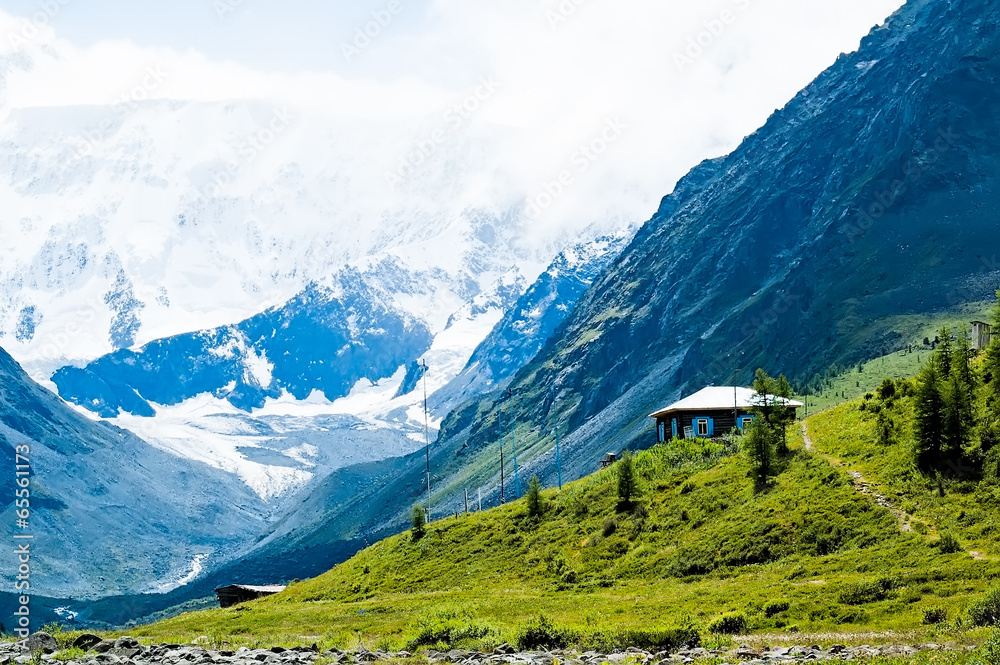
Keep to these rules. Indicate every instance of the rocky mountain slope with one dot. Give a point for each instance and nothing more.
(109, 513)
(866, 203)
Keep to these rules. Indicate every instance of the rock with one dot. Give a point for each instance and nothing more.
(504, 649)
(41, 642)
(838, 648)
(86, 642)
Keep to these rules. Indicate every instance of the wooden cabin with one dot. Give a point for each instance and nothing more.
(609, 459)
(235, 594)
(982, 335)
(711, 412)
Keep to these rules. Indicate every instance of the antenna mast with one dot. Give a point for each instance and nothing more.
(427, 439)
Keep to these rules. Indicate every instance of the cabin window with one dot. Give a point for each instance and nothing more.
(702, 424)
(663, 431)
(673, 427)
(745, 421)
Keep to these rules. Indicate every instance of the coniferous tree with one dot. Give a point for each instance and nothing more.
(943, 354)
(418, 519)
(991, 383)
(958, 394)
(534, 498)
(758, 445)
(628, 485)
(929, 416)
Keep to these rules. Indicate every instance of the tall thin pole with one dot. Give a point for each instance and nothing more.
(513, 434)
(427, 440)
(480, 499)
(736, 415)
(555, 428)
(502, 497)
(466, 500)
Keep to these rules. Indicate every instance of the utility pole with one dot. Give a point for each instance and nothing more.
(466, 501)
(513, 434)
(502, 498)
(555, 428)
(427, 439)
(480, 499)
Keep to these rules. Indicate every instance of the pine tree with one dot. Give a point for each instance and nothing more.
(958, 394)
(929, 415)
(758, 445)
(943, 354)
(990, 430)
(628, 486)
(418, 519)
(534, 498)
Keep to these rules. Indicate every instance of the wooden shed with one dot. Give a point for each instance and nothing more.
(241, 593)
(712, 412)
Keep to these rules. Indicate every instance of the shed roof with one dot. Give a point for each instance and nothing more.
(719, 398)
(270, 588)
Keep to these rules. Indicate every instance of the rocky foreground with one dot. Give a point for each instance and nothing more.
(128, 651)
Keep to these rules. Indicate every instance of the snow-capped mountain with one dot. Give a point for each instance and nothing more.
(533, 319)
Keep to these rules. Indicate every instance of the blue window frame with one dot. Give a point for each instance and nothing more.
(704, 426)
(744, 421)
(673, 427)
(662, 431)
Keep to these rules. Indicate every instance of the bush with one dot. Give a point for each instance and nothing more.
(948, 544)
(990, 651)
(986, 610)
(771, 609)
(543, 634)
(448, 627)
(935, 615)
(619, 639)
(867, 592)
(730, 624)
(610, 526)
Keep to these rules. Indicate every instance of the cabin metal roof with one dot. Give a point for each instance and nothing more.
(270, 588)
(720, 398)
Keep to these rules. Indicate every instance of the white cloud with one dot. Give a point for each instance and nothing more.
(495, 99)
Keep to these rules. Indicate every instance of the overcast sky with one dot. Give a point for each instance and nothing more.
(683, 79)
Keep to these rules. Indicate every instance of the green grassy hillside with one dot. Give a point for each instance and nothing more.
(811, 554)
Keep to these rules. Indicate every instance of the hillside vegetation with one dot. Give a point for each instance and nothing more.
(699, 552)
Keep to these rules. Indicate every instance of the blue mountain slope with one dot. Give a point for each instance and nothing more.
(322, 340)
(98, 492)
(534, 318)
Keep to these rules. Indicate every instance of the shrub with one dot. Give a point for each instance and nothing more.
(543, 634)
(948, 544)
(418, 519)
(990, 651)
(730, 624)
(776, 607)
(610, 526)
(619, 639)
(861, 593)
(534, 498)
(448, 627)
(935, 615)
(986, 610)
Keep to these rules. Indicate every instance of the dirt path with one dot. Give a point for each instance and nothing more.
(861, 485)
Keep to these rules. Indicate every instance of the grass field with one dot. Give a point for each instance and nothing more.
(798, 559)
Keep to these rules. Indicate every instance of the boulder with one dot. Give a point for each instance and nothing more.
(86, 642)
(43, 642)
